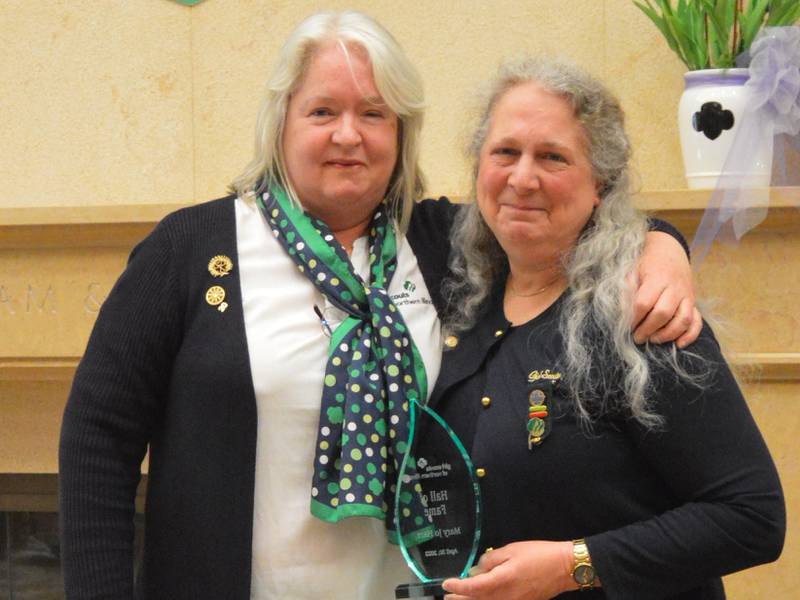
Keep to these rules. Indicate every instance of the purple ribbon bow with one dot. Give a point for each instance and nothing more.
(736, 206)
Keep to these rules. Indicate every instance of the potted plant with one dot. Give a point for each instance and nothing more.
(713, 38)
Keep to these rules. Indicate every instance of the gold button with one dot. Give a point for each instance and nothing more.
(215, 295)
(498, 333)
(451, 341)
(489, 549)
(486, 401)
(480, 472)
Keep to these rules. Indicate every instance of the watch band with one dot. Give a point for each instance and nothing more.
(582, 569)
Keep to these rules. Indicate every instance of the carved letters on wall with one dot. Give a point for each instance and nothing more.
(45, 298)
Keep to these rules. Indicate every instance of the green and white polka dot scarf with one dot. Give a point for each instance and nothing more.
(374, 368)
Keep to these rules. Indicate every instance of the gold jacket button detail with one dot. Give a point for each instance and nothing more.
(220, 265)
(451, 341)
(480, 471)
(486, 401)
(215, 295)
(498, 333)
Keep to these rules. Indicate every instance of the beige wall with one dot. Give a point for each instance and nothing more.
(147, 102)
(131, 101)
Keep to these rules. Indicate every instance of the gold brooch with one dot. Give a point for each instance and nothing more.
(220, 265)
(451, 341)
(215, 295)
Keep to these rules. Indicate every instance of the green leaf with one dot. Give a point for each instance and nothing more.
(666, 7)
(725, 10)
(683, 46)
(783, 12)
(702, 32)
(663, 27)
(697, 34)
(719, 33)
(751, 21)
(689, 47)
(658, 21)
(775, 12)
(716, 43)
(650, 11)
(720, 16)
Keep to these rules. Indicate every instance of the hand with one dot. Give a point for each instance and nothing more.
(520, 571)
(663, 305)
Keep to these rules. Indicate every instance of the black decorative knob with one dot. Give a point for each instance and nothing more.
(712, 120)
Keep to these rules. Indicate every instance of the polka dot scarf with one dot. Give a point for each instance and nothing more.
(374, 368)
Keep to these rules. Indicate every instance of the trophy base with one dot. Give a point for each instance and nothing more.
(420, 590)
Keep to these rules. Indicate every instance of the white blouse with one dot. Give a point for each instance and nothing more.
(296, 555)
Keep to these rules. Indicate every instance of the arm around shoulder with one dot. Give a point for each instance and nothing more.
(664, 303)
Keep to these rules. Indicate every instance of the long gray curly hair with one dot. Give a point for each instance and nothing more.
(601, 363)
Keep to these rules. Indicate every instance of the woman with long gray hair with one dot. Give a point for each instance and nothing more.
(604, 466)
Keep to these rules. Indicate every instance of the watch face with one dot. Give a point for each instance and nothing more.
(583, 574)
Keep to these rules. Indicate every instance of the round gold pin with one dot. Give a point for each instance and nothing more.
(451, 341)
(220, 265)
(215, 295)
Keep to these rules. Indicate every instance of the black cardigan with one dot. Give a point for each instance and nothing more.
(665, 513)
(165, 368)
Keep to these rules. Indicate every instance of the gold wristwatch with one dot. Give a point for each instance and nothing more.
(582, 570)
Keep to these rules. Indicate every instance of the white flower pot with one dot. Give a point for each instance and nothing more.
(709, 114)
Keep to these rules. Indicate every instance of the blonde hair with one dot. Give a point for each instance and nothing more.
(397, 80)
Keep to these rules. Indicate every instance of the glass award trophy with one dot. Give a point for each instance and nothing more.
(437, 505)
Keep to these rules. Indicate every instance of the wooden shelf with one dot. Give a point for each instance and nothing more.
(45, 368)
(697, 200)
(79, 226)
(768, 366)
(126, 214)
(684, 208)
(85, 215)
(38, 492)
